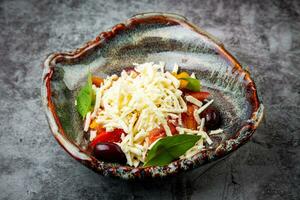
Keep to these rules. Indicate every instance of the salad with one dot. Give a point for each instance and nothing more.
(147, 116)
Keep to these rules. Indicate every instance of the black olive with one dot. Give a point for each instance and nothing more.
(212, 117)
(109, 152)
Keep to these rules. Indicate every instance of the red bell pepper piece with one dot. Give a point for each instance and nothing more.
(113, 136)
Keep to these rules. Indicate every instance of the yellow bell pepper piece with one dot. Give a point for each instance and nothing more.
(93, 125)
(183, 83)
(182, 75)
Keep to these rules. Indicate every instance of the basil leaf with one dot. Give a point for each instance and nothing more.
(85, 98)
(193, 84)
(170, 148)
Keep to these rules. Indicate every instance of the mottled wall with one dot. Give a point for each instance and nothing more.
(261, 34)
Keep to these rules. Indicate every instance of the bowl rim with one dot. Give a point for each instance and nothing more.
(128, 172)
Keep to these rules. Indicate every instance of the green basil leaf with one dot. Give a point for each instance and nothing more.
(85, 98)
(170, 148)
(193, 84)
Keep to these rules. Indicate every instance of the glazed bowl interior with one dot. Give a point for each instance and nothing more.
(155, 38)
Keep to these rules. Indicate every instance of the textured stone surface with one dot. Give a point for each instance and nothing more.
(264, 35)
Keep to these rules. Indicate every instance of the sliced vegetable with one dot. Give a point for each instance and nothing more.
(183, 84)
(188, 120)
(172, 128)
(97, 81)
(113, 136)
(160, 132)
(93, 124)
(180, 76)
(193, 84)
(199, 95)
(98, 127)
(156, 134)
(85, 98)
(170, 148)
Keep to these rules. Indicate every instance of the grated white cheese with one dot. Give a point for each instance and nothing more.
(195, 132)
(140, 101)
(186, 130)
(93, 135)
(140, 136)
(87, 122)
(179, 120)
(193, 100)
(193, 75)
(204, 106)
(137, 103)
(175, 68)
(98, 99)
(135, 150)
(202, 124)
(207, 138)
(215, 132)
(197, 117)
(175, 81)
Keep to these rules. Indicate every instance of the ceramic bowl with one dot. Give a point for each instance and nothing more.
(151, 37)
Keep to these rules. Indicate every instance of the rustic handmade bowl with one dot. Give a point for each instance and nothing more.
(151, 37)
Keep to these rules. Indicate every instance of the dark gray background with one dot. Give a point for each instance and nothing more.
(262, 34)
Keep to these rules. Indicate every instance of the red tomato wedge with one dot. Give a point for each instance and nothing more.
(156, 134)
(199, 95)
(188, 119)
(160, 132)
(172, 128)
(113, 136)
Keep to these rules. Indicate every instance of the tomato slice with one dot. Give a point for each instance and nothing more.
(188, 119)
(156, 133)
(160, 132)
(199, 95)
(113, 136)
(172, 128)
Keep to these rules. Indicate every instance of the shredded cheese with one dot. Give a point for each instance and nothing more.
(195, 132)
(215, 132)
(87, 122)
(175, 68)
(92, 135)
(202, 124)
(201, 109)
(140, 101)
(193, 75)
(137, 103)
(193, 100)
